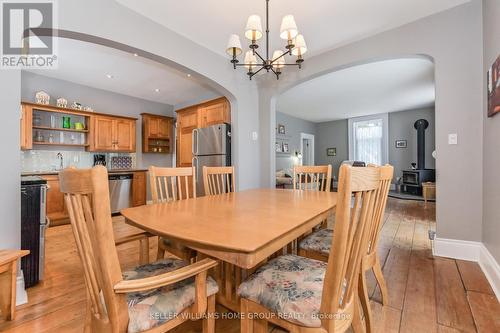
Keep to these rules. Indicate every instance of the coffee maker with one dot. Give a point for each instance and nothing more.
(99, 159)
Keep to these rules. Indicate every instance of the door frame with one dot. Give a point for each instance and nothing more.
(311, 150)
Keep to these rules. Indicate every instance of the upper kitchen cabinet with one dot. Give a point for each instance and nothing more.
(26, 128)
(156, 133)
(113, 134)
(46, 125)
(214, 112)
(217, 111)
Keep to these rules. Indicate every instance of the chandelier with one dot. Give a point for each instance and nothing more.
(254, 62)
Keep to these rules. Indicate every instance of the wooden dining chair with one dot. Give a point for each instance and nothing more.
(150, 298)
(218, 180)
(306, 295)
(124, 233)
(172, 184)
(318, 245)
(317, 177)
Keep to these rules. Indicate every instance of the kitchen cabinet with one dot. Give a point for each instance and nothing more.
(207, 114)
(56, 207)
(139, 188)
(98, 132)
(187, 121)
(112, 134)
(214, 114)
(156, 133)
(26, 128)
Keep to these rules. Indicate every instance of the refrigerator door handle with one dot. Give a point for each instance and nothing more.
(195, 164)
(195, 142)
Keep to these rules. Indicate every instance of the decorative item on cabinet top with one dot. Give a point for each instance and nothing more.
(42, 97)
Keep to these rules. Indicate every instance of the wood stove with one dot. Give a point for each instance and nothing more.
(413, 179)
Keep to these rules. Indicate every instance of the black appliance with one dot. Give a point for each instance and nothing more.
(413, 179)
(33, 226)
(99, 159)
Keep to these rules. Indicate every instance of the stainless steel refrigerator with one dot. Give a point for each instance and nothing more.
(212, 148)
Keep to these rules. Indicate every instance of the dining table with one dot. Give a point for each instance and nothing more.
(240, 229)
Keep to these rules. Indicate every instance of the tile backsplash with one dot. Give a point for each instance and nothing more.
(46, 160)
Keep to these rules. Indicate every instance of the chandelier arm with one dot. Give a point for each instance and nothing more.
(253, 65)
(281, 56)
(256, 72)
(267, 29)
(257, 53)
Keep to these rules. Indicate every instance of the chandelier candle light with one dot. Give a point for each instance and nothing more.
(296, 45)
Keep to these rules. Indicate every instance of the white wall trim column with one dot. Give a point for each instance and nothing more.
(471, 251)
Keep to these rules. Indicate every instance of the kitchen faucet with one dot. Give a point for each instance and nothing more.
(60, 158)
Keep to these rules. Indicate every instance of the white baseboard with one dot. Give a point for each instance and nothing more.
(491, 269)
(471, 251)
(456, 249)
(21, 294)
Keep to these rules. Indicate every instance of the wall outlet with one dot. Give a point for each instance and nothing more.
(453, 139)
(255, 136)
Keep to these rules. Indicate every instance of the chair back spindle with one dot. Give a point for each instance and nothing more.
(316, 178)
(218, 180)
(386, 175)
(171, 184)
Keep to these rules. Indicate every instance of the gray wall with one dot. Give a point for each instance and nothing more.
(491, 138)
(293, 127)
(401, 128)
(453, 39)
(332, 134)
(335, 134)
(10, 206)
(101, 101)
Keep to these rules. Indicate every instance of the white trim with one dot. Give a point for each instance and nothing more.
(456, 249)
(21, 294)
(472, 251)
(491, 269)
(311, 149)
(385, 134)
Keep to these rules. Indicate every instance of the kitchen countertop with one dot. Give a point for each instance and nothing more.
(46, 173)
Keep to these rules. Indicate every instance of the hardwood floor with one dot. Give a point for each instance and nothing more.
(426, 294)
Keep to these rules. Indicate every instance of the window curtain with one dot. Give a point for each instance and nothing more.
(368, 141)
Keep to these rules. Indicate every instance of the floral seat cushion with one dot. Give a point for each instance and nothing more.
(319, 241)
(148, 309)
(290, 286)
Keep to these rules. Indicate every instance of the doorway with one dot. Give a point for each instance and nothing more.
(307, 148)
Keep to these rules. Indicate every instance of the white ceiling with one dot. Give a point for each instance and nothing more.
(325, 23)
(88, 64)
(379, 87)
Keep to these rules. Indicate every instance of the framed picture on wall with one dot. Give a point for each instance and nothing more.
(331, 151)
(285, 148)
(494, 88)
(401, 144)
(278, 147)
(281, 129)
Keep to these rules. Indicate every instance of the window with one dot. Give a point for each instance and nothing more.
(368, 139)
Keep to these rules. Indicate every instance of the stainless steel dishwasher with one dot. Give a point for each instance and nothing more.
(120, 191)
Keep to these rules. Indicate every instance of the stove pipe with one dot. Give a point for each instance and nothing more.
(421, 125)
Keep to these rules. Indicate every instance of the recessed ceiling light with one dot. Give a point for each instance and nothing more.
(157, 90)
(136, 55)
(109, 76)
(189, 75)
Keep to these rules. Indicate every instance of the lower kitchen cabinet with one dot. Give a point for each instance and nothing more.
(139, 189)
(56, 207)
